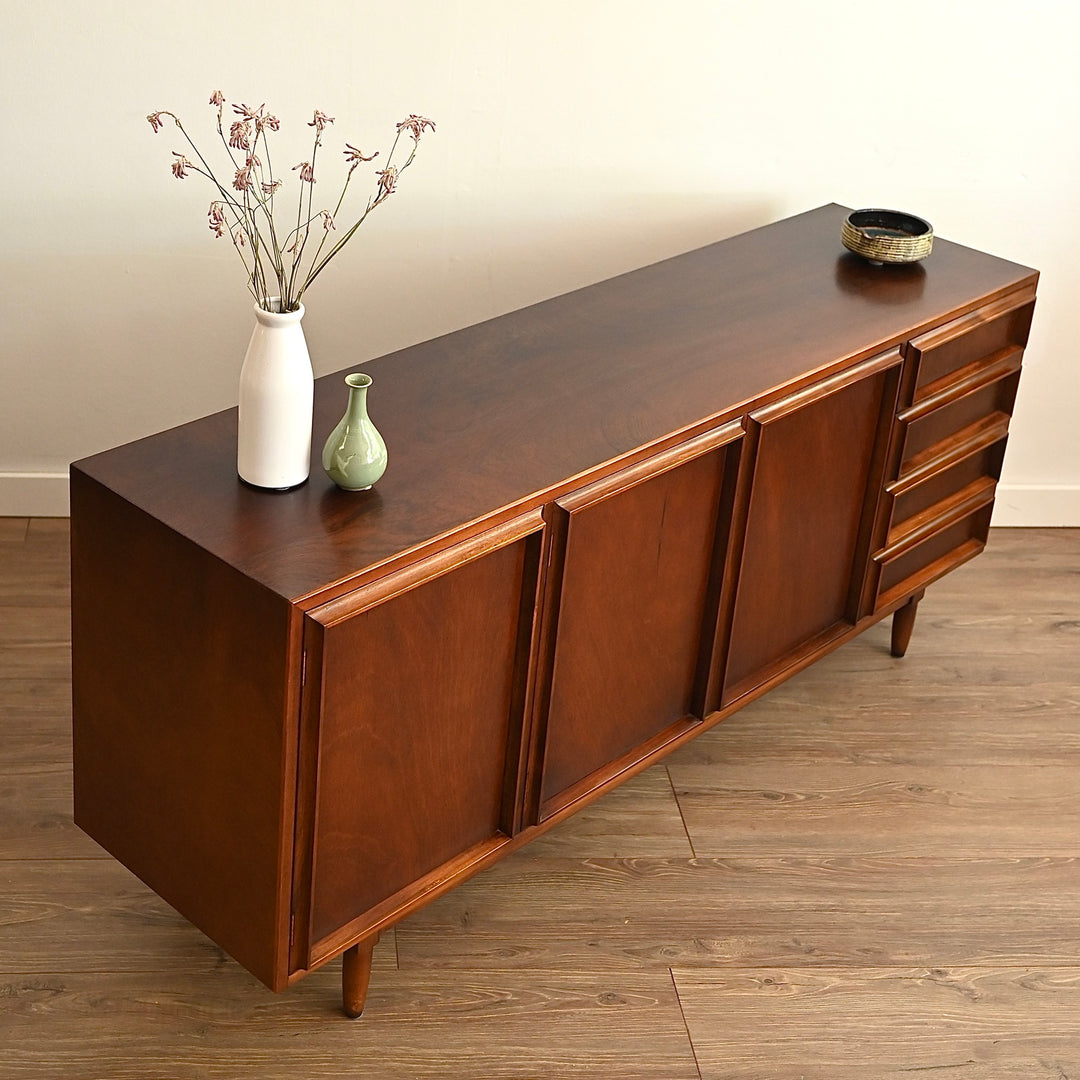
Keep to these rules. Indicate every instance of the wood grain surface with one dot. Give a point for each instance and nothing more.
(552, 391)
(872, 872)
(885, 1022)
(13, 530)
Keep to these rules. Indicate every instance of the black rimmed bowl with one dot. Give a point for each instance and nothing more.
(887, 236)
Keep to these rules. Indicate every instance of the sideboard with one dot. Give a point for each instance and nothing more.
(609, 520)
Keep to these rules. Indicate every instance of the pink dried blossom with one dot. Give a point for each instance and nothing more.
(307, 172)
(243, 181)
(180, 166)
(253, 162)
(240, 135)
(216, 216)
(270, 186)
(354, 157)
(320, 121)
(327, 221)
(416, 125)
(259, 117)
(296, 245)
(387, 180)
(155, 121)
(218, 98)
(238, 238)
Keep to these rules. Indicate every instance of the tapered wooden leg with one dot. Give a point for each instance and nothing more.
(355, 974)
(903, 622)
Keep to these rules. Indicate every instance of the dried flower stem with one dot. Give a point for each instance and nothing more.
(381, 197)
(247, 209)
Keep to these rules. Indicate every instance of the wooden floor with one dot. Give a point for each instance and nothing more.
(871, 873)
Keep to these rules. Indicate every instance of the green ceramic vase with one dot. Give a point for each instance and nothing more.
(354, 456)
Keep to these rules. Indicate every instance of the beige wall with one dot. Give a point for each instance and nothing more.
(576, 139)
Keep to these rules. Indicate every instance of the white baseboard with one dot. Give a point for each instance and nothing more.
(33, 494)
(1032, 505)
(1037, 505)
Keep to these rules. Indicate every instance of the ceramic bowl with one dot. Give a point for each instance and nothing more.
(887, 236)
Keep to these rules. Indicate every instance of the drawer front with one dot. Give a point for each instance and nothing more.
(904, 570)
(932, 494)
(946, 354)
(927, 431)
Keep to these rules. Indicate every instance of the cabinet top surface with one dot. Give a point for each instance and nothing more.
(488, 416)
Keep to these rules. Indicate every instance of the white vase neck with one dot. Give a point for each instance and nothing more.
(278, 318)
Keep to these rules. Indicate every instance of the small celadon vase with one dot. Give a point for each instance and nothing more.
(354, 456)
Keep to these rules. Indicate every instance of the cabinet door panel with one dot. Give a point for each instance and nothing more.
(420, 696)
(634, 599)
(817, 476)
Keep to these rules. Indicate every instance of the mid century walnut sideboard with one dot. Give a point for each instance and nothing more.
(609, 520)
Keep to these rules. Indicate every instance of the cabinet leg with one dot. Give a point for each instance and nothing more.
(903, 622)
(355, 974)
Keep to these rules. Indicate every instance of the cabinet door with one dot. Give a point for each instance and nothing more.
(633, 612)
(413, 706)
(818, 462)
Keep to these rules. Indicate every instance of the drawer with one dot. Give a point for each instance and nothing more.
(936, 486)
(958, 348)
(981, 402)
(934, 542)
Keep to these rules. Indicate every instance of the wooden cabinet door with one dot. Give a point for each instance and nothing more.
(411, 765)
(817, 460)
(632, 609)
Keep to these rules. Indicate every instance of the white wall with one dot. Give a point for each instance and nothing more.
(576, 139)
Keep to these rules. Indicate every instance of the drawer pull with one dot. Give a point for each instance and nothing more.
(949, 452)
(938, 518)
(972, 377)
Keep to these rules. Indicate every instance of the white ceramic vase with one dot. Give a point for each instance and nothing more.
(273, 447)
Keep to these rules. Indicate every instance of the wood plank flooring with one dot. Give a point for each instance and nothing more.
(872, 872)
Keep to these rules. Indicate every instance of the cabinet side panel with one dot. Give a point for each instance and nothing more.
(634, 595)
(806, 507)
(416, 723)
(179, 691)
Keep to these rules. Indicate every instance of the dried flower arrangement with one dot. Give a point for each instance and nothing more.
(280, 266)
